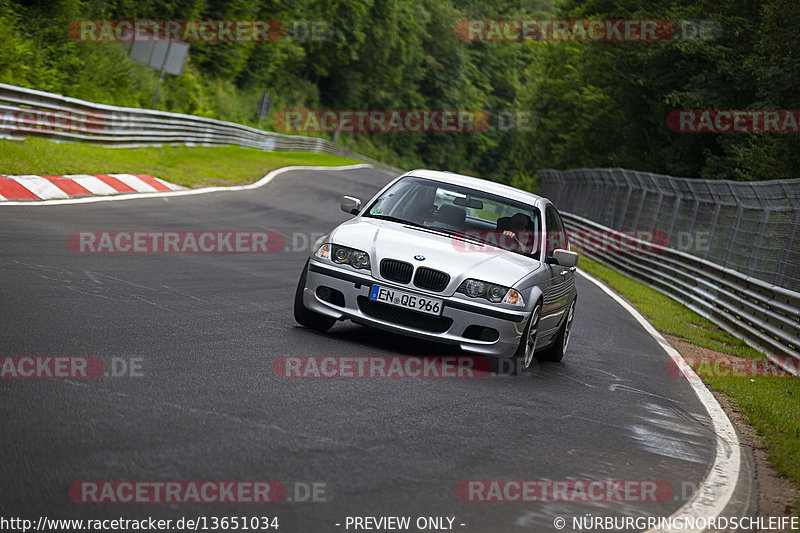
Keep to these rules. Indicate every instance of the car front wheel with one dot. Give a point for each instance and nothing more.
(523, 357)
(556, 352)
(304, 316)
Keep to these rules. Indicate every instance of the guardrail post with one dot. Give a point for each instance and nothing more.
(611, 184)
(624, 174)
(674, 216)
(635, 223)
(762, 229)
(732, 239)
(657, 210)
(788, 245)
(695, 208)
(713, 224)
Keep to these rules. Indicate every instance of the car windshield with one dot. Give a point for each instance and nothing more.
(463, 213)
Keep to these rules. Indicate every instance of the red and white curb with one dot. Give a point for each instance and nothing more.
(171, 192)
(31, 187)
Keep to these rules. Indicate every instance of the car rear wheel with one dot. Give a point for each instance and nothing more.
(304, 316)
(556, 352)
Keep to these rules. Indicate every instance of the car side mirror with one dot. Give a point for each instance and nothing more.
(351, 205)
(562, 257)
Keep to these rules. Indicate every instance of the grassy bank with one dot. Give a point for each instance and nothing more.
(770, 404)
(188, 166)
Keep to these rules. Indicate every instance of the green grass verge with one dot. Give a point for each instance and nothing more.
(190, 166)
(771, 405)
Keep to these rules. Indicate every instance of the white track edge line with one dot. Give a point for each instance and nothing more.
(186, 192)
(716, 491)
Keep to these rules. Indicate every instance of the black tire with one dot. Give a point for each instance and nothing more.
(556, 352)
(304, 316)
(523, 358)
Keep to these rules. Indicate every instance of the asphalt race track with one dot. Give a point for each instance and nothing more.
(203, 332)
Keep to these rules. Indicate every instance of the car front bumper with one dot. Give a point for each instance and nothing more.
(457, 315)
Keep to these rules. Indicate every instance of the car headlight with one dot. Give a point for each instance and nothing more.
(475, 288)
(343, 255)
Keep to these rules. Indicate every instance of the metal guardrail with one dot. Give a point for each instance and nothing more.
(766, 316)
(750, 227)
(31, 113)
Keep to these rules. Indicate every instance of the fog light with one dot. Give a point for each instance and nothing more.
(324, 293)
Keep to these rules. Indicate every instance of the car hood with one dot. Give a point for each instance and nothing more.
(384, 239)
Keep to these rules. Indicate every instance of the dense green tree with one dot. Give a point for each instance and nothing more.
(552, 104)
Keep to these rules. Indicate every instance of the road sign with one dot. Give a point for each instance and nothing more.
(160, 54)
(263, 107)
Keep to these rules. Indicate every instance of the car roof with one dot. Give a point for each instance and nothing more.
(491, 187)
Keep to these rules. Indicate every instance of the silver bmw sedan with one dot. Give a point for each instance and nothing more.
(449, 258)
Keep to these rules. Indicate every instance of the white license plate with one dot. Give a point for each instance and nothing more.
(416, 302)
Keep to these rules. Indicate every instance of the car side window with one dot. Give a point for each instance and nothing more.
(556, 236)
(563, 240)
